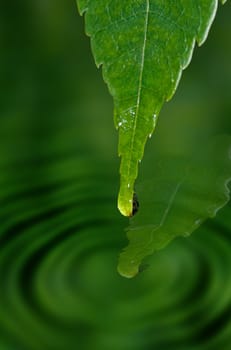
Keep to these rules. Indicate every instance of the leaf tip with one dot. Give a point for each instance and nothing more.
(125, 206)
(125, 199)
(128, 204)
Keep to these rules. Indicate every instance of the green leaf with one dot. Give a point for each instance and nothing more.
(143, 46)
(180, 197)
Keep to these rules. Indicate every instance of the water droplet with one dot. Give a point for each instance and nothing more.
(135, 205)
(198, 222)
(186, 234)
(139, 160)
(120, 124)
(150, 135)
(154, 120)
(128, 185)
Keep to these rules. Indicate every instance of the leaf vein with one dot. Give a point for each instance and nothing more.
(140, 79)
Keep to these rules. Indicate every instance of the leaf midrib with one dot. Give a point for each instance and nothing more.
(140, 80)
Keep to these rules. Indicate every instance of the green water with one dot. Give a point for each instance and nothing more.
(60, 231)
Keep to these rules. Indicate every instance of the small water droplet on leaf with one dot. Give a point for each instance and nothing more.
(135, 204)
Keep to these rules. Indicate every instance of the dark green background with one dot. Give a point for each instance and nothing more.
(60, 231)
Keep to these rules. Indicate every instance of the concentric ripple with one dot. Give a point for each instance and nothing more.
(60, 239)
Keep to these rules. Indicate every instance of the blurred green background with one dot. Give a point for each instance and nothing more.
(60, 231)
